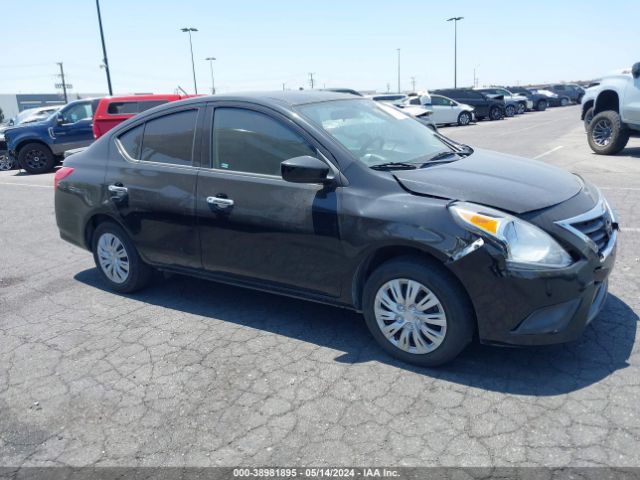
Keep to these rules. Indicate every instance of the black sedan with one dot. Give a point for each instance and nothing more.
(339, 199)
(484, 105)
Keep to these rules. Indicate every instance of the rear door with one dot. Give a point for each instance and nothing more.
(252, 223)
(151, 182)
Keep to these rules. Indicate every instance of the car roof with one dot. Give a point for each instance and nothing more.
(277, 98)
(134, 98)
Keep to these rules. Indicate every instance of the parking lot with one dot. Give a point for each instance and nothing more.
(195, 373)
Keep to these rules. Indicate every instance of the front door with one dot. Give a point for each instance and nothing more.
(252, 223)
(75, 127)
(443, 110)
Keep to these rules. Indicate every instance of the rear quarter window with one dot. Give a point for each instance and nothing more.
(122, 108)
(131, 141)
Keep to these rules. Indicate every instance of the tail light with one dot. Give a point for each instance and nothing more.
(61, 174)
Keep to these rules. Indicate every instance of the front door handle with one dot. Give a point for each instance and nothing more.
(117, 189)
(220, 202)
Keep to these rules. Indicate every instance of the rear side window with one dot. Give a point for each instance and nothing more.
(169, 139)
(131, 108)
(249, 141)
(121, 108)
(131, 141)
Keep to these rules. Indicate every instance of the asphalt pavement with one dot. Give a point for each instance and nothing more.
(194, 373)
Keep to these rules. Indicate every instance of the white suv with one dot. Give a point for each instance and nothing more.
(611, 111)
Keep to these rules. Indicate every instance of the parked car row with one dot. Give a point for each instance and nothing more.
(37, 140)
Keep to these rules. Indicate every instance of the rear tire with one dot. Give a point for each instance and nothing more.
(607, 134)
(464, 118)
(36, 158)
(5, 163)
(542, 105)
(117, 259)
(588, 117)
(416, 332)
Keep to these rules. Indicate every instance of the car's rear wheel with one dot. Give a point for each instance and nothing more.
(495, 113)
(417, 312)
(510, 110)
(117, 259)
(36, 158)
(5, 163)
(464, 118)
(542, 105)
(588, 117)
(564, 101)
(522, 107)
(607, 134)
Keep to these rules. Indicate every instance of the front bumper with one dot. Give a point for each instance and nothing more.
(529, 105)
(516, 306)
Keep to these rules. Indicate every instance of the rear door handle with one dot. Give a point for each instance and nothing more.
(220, 202)
(118, 189)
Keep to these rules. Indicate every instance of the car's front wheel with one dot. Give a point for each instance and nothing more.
(564, 101)
(464, 118)
(36, 158)
(510, 110)
(495, 113)
(542, 105)
(607, 134)
(521, 108)
(117, 259)
(417, 312)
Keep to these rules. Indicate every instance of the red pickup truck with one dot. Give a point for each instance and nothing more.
(112, 111)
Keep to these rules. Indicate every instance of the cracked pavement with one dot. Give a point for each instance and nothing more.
(192, 373)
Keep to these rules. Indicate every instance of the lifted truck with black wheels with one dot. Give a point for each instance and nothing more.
(37, 146)
(611, 111)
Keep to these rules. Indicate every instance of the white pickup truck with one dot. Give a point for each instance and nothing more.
(611, 111)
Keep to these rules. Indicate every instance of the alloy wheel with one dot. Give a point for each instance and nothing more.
(465, 118)
(113, 258)
(602, 132)
(5, 163)
(410, 316)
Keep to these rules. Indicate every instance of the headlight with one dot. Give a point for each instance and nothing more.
(526, 245)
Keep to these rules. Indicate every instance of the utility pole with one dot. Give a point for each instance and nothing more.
(213, 85)
(455, 49)
(64, 85)
(413, 84)
(283, 86)
(105, 61)
(193, 65)
(475, 77)
(399, 70)
(311, 81)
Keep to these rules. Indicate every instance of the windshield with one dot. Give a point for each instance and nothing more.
(373, 132)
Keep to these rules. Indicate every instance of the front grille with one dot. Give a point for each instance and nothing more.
(3, 145)
(598, 229)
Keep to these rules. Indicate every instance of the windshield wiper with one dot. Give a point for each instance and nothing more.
(394, 166)
(442, 155)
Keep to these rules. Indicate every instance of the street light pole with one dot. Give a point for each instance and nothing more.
(104, 49)
(193, 65)
(455, 49)
(398, 70)
(213, 85)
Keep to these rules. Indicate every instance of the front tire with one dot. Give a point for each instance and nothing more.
(5, 163)
(117, 259)
(607, 134)
(464, 118)
(36, 158)
(510, 110)
(417, 312)
(564, 101)
(522, 107)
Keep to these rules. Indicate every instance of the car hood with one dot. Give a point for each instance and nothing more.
(510, 183)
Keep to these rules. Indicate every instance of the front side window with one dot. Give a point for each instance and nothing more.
(169, 139)
(374, 133)
(440, 101)
(77, 112)
(249, 141)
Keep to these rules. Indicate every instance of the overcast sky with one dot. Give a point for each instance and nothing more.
(349, 43)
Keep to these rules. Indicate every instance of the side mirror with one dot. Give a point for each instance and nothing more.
(59, 119)
(305, 169)
(635, 70)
